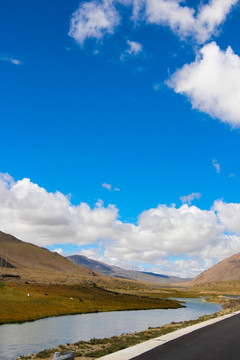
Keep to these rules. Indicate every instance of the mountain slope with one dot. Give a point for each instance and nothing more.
(23, 256)
(226, 270)
(116, 271)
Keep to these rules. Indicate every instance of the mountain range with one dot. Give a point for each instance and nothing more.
(39, 261)
(115, 271)
(40, 264)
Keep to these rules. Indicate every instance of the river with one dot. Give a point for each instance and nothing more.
(32, 337)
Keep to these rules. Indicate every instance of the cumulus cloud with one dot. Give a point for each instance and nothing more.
(216, 165)
(179, 230)
(210, 16)
(183, 20)
(229, 215)
(169, 12)
(212, 83)
(189, 198)
(33, 214)
(94, 20)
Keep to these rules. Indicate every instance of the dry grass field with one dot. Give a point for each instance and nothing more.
(53, 300)
(219, 287)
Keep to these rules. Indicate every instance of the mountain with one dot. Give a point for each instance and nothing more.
(117, 272)
(226, 270)
(20, 255)
(36, 263)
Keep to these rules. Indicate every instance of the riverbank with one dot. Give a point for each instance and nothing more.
(28, 302)
(96, 348)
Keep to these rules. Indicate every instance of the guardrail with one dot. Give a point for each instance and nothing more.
(68, 355)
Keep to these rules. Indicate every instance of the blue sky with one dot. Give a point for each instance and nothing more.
(134, 104)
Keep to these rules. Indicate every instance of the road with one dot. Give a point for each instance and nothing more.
(219, 341)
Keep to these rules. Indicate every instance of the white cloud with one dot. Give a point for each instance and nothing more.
(170, 13)
(229, 215)
(185, 267)
(32, 214)
(183, 20)
(59, 251)
(216, 165)
(189, 198)
(107, 186)
(179, 230)
(35, 215)
(93, 20)
(10, 59)
(210, 16)
(212, 83)
(134, 48)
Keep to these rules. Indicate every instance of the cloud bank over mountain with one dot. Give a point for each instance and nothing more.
(31, 213)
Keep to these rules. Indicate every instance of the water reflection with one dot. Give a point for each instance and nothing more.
(32, 337)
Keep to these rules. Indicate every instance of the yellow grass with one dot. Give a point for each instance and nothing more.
(53, 300)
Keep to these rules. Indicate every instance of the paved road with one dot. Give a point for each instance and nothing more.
(219, 341)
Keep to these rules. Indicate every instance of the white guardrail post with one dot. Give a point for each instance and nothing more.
(68, 355)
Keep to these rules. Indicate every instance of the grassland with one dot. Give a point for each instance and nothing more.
(219, 287)
(47, 300)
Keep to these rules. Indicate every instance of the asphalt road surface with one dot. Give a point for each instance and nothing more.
(219, 341)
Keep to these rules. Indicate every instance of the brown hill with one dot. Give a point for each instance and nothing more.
(226, 270)
(24, 256)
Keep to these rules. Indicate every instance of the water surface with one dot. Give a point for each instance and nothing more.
(32, 337)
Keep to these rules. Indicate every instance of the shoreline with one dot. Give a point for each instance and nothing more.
(97, 348)
(20, 303)
(85, 313)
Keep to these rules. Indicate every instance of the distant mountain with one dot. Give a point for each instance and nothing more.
(116, 271)
(226, 270)
(21, 255)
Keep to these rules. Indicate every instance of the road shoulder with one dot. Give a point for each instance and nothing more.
(139, 349)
